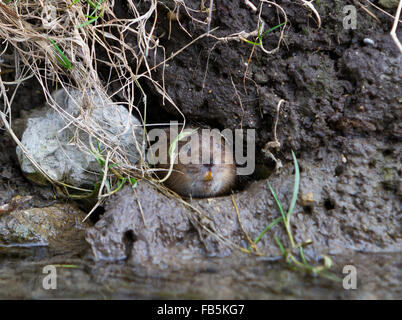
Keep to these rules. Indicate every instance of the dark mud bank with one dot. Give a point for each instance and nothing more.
(342, 117)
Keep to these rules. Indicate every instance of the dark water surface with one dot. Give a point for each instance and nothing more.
(243, 277)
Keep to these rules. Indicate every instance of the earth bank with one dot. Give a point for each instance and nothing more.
(342, 118)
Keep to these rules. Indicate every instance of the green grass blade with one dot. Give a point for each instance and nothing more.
(69, 266)
(261, 35)
(97, 8)
(302, 256)
(272, 29)
(90, 17)
(87, 22)
(251, 42)
(295, 187)
(98, 146)
(112, 165)
(266, 230)
(61, 57)
(278, 203)
(100, 161)
(279, 243)
(107, 185)
(133, 182)
(93, 5)
(120, 184)
(180, 137)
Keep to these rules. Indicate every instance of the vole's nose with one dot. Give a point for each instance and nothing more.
(208, 176)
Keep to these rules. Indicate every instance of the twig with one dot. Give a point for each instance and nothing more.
(309, 5)
(383, 11)
(140, 207)
(246, 71)
(275, 143)
(211, 4)
(368, 12)
(252, 244)
(262, 26)
(240, 102)
(250, 5)
(395, 25)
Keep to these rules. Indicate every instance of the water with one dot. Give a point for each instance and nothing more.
(236, 277)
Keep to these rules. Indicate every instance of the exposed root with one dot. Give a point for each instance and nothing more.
(275, 143)
(309, 5)
(395, 25)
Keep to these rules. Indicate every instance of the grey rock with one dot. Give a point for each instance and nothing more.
(48, 137)
(59, 224)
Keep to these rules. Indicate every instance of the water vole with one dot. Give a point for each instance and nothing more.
(204, 167)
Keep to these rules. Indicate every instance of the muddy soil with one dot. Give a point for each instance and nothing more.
(343, 120)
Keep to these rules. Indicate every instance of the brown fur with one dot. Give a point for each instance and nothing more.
(190, 179)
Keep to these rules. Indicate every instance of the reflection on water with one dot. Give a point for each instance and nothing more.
(79, 277)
